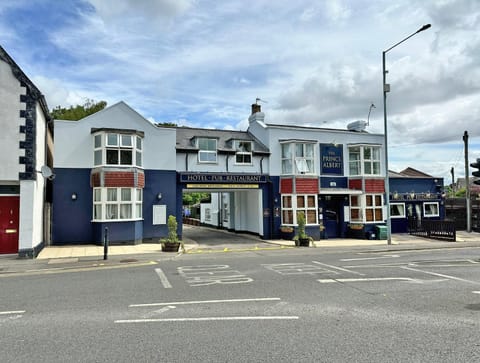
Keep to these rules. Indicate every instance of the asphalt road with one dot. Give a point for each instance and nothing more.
(292, 305)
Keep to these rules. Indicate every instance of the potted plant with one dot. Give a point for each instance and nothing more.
(171, 243)
(302, 239)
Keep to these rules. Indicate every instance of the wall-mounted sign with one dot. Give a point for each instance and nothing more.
(222, 178)
(222, 186)
(331, 159)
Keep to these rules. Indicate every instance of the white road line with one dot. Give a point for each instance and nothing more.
(440, 275)
(163, 278)
(205, 302)
(213, 318)
(326, 281)
(12, 312)
(339, 268)
(476, 292)
(368, 258)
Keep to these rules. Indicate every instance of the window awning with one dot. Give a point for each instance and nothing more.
(339, 191)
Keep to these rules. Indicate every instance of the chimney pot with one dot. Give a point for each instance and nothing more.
(256, 108)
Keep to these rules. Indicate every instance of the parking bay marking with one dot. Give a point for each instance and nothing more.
(163, 278)
(212, 318)
(440, 275)
(172, 305)
(369, 258)
(367, 279)
(205, 302)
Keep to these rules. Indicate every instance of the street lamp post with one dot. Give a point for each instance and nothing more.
(386, 88)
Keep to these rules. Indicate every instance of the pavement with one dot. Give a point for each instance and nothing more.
(94, 254)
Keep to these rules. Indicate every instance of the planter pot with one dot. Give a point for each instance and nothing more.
(302, 242)
(170, 247)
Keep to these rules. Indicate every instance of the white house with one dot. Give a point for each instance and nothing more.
(26, 148)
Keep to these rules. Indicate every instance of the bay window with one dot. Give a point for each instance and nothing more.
(117, 149)
(298, 158)
(364, 160)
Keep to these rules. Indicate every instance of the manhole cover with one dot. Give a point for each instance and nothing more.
(473, 307)
(127, 260)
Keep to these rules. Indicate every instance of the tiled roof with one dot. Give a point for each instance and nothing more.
(187, 135)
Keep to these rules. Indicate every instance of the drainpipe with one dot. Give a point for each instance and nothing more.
(186, 161)
(261, 165)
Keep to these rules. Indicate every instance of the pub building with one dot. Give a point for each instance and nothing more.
(115, 169)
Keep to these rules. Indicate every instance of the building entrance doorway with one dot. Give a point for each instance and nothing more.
(333, 215)
(9, 223)
(232, 210)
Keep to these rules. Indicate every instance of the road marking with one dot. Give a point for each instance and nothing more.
(159, 311)
(369, 258)
(297, 268)
(58, 270)
(205, 302)
(440, 275)
(163, 278)
(12, 312)
(339, 268)
(476, 292)
(204, 275)
(213, 318)
(408, 279)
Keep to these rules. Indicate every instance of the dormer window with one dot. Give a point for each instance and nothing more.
(207, 152)
(243, 152)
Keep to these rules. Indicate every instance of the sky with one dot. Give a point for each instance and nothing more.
(202, 63)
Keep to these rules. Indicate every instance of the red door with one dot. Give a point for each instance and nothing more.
(9, 207)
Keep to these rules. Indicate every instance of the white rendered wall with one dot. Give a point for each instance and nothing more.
(273, 134)
(32, 193)
(10, 122)
(248, 211)
(74, 141)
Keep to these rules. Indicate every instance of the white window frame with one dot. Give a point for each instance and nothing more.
(117, 141)
(360, 164)
(106, 198)
(294, 164)
(401, 210)
(207, 151)
(293, 208)
(430, 215)
(241, 153)
(363, 208)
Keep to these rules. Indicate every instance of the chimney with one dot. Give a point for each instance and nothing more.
(256, 108)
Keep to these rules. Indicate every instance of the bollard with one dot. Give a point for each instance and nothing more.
(105, 244)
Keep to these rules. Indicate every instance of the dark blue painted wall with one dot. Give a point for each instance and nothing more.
(158, 181)
(71, 219)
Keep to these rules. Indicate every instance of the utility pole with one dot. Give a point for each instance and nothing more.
(452, 171)
(467, 183)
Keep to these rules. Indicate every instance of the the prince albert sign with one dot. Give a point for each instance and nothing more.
(331, 159)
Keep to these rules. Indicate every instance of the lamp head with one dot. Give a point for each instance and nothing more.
(425, 27)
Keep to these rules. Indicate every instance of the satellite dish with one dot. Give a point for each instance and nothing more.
(47, 172)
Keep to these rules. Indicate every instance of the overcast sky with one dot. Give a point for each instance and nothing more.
(204, 62)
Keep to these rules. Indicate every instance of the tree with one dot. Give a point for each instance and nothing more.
(78, 112)
(194, 198)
